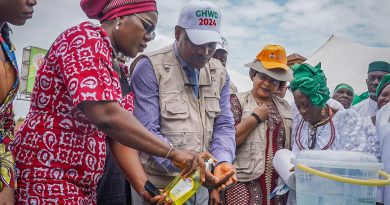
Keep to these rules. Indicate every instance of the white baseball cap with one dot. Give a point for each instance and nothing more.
(201, 20)
(224, 46)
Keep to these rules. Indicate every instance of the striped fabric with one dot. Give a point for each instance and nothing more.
(109, 9)
(118, 3)
(117, 8)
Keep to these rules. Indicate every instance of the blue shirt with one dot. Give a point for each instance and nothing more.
(192, 74)
(147, 111)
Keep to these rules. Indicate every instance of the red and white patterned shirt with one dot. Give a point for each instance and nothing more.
(60, 154)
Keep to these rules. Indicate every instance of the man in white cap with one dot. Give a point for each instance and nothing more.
(221, 51)
(221, 54)
(182, 96)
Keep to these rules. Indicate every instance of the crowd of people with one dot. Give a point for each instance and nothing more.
(98, 131)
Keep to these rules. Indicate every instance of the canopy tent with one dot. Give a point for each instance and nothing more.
(344, 61)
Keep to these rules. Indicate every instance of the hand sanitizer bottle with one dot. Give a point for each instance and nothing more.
(182, 189)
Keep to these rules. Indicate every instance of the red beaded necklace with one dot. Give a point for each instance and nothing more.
(332, 133)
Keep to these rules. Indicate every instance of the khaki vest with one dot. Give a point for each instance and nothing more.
(250, 155)
(233, 88)
(187, 121)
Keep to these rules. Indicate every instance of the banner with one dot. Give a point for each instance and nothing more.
(32, 58)
(37, 55)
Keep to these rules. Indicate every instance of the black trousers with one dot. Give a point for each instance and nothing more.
(113, 188)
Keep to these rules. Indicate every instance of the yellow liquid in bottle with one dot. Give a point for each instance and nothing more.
(182, 189)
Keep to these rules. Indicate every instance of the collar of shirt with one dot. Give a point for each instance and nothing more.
(372, 102)
(188, 70)
(373, 105)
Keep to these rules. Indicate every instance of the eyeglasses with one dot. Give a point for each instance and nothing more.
(265, 77)
(149, 27)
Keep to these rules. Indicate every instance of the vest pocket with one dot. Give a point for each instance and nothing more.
(175, 110)
(212, 106)
(188, 140)
(243, 159)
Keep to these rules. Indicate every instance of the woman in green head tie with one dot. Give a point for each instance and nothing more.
(320, 127)
(344, 94)
(383, 131)
(381, 121)
(383, 91)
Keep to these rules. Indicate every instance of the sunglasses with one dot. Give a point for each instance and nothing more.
(149, 27)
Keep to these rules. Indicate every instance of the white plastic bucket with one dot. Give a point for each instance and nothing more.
(312, 189)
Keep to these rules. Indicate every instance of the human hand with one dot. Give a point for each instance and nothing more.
(211, 181)
(162, 199)
(262, 111)
(215, 197)
(7, 196)
(226, 174)
(205, 174)
(188, 162)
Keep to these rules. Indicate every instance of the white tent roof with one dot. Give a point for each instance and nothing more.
(344, 61)
(242, 82)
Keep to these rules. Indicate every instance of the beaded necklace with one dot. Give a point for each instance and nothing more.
(312, 139)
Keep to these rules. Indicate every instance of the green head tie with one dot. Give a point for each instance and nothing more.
(344, 86)
(384, 82)
(311, 81)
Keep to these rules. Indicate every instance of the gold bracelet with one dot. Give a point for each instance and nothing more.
(169, 151)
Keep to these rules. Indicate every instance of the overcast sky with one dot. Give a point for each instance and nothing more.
(301, 26)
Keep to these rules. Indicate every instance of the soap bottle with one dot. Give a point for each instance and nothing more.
(181, 189)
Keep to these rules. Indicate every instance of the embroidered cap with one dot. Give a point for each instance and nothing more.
(201, 20)
(273, 56)
(379, 66)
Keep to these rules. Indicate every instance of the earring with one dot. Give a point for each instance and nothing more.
(117, 25)
(323, 111)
